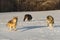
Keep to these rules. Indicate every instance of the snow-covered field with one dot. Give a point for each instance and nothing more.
(36, 29)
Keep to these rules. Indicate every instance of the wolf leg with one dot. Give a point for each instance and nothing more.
(14, 28)
(50, 26)
(10, 28)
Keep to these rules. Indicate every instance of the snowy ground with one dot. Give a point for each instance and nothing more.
(33, 30)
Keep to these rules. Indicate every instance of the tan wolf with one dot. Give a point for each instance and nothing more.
(50, 21)
(12, 24)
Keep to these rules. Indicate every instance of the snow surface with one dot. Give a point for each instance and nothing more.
(36, 29)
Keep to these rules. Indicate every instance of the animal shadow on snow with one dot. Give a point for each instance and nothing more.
(56, 25)
(29, 28)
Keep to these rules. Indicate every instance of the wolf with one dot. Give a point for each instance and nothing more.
(50, 21)
(27, 17)
(12, 23)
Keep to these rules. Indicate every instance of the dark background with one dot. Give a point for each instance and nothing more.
(28, 5)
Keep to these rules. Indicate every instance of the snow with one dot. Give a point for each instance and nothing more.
(36, 29)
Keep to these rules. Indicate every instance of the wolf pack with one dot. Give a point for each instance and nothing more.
(11, 24)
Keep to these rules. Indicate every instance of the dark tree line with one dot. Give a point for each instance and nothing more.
(28, 5)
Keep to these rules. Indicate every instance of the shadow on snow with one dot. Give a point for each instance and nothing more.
(29, 28)
(25, 28)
